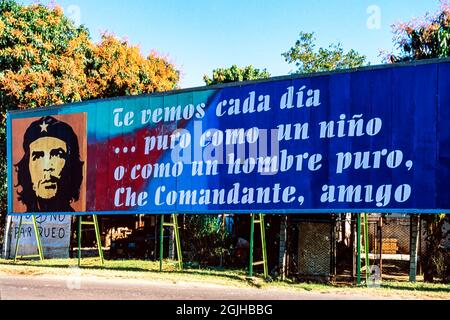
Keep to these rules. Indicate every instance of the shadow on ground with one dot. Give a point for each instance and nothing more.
(168, 268)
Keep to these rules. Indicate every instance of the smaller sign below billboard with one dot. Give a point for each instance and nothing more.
(54, 231)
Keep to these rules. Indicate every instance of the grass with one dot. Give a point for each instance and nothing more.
(149, 270)
(417, 287)
(130, 269)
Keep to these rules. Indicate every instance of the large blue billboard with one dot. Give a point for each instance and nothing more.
(369, 140)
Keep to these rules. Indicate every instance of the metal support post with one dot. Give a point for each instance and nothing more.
(80, 222)
(174, 225)
(366, 246)
(40, 254)
(252, 235)
(178, 242)
(264, 246)
(358, 250)
(161, 243)
(97, 237)
(264, 262)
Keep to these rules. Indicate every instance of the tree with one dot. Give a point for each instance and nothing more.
(309, 60)
(435, 259)
(206, 240)
(46, 60)
(118, 69)
(424, 38)
(236, 74)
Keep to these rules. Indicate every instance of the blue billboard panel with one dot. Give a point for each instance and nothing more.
(374, 140)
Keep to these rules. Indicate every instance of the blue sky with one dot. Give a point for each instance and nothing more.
(201, 35)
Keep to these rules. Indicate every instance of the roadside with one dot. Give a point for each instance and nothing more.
(142, 280)
(97, 288)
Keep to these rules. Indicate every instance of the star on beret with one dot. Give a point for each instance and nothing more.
(44, 127)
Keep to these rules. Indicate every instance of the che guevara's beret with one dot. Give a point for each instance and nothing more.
(51, 127)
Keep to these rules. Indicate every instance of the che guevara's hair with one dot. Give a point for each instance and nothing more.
(71, 175)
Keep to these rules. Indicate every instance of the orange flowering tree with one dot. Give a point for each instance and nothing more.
(427, 37)
(46, 60)
(117, 69)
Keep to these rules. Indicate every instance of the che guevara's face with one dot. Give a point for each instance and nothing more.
(47, 161)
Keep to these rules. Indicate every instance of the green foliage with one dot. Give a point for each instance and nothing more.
(235, 74)
(206, 240)
(309, 60)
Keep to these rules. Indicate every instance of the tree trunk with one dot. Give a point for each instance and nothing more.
(434, 237)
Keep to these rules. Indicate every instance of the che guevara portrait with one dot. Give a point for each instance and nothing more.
(49, 158)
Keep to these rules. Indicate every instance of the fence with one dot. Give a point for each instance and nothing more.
(324, 248)
(311, 253)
